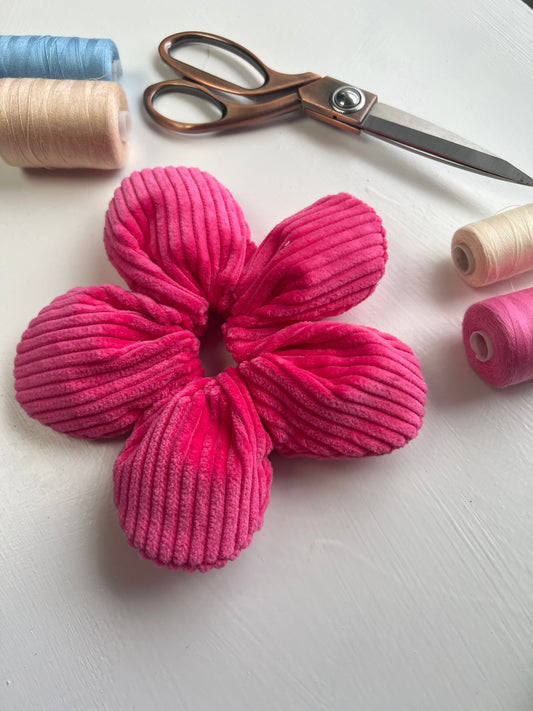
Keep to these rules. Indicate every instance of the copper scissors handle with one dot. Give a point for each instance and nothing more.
(324, 98)
(199, 83)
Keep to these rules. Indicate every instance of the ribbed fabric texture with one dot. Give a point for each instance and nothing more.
(96, 358)
(192, 482)
(336, 390)
(317, 263)
(193, 479)
(179, 237)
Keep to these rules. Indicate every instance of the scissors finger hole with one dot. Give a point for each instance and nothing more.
(187, 107)
(227, 64)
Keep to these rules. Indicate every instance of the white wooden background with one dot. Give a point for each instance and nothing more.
(402, 583)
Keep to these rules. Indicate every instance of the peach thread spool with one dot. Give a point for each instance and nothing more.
(496, 248)
(52, 123)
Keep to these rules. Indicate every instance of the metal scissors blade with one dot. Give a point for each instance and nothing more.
(324, 98)
(420, 136)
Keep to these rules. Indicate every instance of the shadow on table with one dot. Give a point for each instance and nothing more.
(121, 566)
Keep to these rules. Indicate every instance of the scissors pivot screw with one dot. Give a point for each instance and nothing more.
(347, 99)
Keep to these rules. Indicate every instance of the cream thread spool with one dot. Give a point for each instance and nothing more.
(52, 123)
(496, 248)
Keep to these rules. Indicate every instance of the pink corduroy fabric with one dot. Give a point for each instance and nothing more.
(192, 481)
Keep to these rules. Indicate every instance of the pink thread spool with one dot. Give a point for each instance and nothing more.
(498, 338)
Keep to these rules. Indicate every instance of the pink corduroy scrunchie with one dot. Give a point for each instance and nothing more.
(192, 481)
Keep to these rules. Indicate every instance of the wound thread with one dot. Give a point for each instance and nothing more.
(50, 123)
(50, 57)
(498, 338)
(496, 248)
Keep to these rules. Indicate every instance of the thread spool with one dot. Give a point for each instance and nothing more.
(496, 248)
(51, 123)
(50, 57)
(498, 338)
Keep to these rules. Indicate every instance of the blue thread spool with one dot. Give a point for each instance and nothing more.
(59, 58)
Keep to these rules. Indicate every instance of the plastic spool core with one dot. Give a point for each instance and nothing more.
(463, 258)
(481, 345)
(116, 69)
(124, 126)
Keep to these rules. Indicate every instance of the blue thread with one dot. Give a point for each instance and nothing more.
(58, 58)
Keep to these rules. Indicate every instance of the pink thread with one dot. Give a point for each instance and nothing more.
(498, 338)
(192, 481)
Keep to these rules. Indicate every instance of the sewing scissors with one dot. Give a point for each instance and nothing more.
(334, 102)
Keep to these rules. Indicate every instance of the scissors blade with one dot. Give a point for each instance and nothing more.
(417, 135)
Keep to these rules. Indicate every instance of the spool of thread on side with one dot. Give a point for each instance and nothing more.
(498, 338)
(496, 248)
(50, 57)
(50, 123)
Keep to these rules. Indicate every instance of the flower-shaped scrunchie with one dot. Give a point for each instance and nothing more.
(192, 481)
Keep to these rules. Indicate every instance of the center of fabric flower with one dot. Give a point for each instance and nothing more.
(213, 354)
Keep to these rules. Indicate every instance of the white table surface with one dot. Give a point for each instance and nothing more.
(403, 582)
